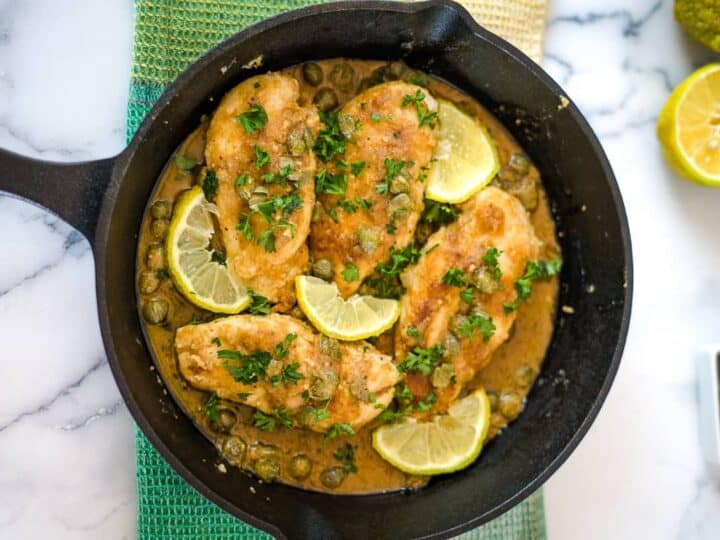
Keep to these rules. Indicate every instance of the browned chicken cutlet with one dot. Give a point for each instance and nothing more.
(385, 160)
(277, 363)
(258, 145)
(434, 314)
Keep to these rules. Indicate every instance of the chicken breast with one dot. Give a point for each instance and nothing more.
(258, 147)
(384, 160)
(433, 312)
(277, 363)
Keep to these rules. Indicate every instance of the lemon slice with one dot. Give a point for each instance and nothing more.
(445, 444)
(689, 126)
(206, 283)
(358, 317)
(465, 159)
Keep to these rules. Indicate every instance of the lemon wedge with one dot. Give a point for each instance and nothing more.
(465, 159)
(203, 281)
(689, 126)
(358, 317)
(444, 444)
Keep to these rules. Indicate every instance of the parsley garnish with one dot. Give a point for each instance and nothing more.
(346, 455)
(425, 117)
(436, 213)
(185, 163)
(246, 368)
(281, 349)
(210, 408)
(280, 178)
(454, 277)
(266, 240)
(241, 180)
(262, 158)
(252, 120)
(260, 305)
(216, 341)
(288, 375)
(533, 271)
(422, 360)
(210, 185)
(357, 167)
(477, 324)
(336, 430)
(390, 228)
(387, 284)
(375, 117)
(393, 167)
(332, 184)
(350, 273)
(413, 332)
(491, 261)
(330, 141)
(467, 295)
(269, 422)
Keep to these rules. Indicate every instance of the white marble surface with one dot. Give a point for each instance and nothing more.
(66, 451)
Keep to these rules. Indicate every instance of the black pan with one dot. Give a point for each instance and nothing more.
(105, 201)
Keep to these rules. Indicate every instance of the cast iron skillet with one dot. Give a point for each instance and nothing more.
(105, 201)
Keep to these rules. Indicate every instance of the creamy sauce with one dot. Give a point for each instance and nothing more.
(507, 378)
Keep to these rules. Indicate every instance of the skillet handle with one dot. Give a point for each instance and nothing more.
(73, 191)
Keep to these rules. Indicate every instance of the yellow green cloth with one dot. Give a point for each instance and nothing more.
(169, 35)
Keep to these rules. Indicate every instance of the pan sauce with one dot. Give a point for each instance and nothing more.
(507, 378)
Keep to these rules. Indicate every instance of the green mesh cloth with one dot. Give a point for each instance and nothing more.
(169, 35)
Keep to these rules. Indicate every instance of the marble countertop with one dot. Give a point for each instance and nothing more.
(66, 439)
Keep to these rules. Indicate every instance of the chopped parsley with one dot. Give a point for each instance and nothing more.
(357, 167)
(210, 185)
(241, 180)
(216, 341)
(390, 228)
(386, 283)
(262, 158)
(260, 305)
(393, 167)
(281, 349)
(454, 277)
(330, 183)
(252, 120)
(330, 141)
(210, 408)
(185, 163)
(467, 295)
(422, 360)
(269, 422)
(337, 430)
(266, 240)
(405, 398)
(477, 324)
(285, 204)
(425, 117)
(413, 332)
(288, 375)
(375, 117)
(533, 271)
(246, 368)
(350, 273)
(346, 455)
(436, 213)
(491, 261)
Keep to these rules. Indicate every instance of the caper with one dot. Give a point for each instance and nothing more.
(524, 375)
(423, 232)
(493, 400)
(312, 73)
(347, 126)
(484, 281)
(306, 417)
(325, 99)
(451, 345)
(368, 238)
(526, 191)
(359, 388)
(400, 205)
(159, 228)
(399, 185)
(267, 469)
(443, 375)
(510, 405)
(155, 257)
(149, 282)
(161, 209)
(318, 212)
(259, 196)
(395, 70)
(332, 477)
(234, 449)
(322, 269)
(520, 164)
(330, 347)
(244, 186)
(295, 143)
(300, 467)
(457, 322)
(297, 313)
(224, 422)
(308, 138)
(342, 76)
(260, 450)
(155, 310)
(323, 387)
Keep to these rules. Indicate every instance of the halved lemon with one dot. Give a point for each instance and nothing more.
(206, 283)
(689, 126)
(465, 159)
(444, 444)
(358, 317)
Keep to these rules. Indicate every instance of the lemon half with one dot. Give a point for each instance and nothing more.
(358, 317)
(689, 126)
(204, 282)
(444, 444)
(465, 159)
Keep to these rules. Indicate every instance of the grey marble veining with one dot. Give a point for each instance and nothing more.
(66, 447)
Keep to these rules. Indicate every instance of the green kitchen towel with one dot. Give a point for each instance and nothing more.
(169, 35)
